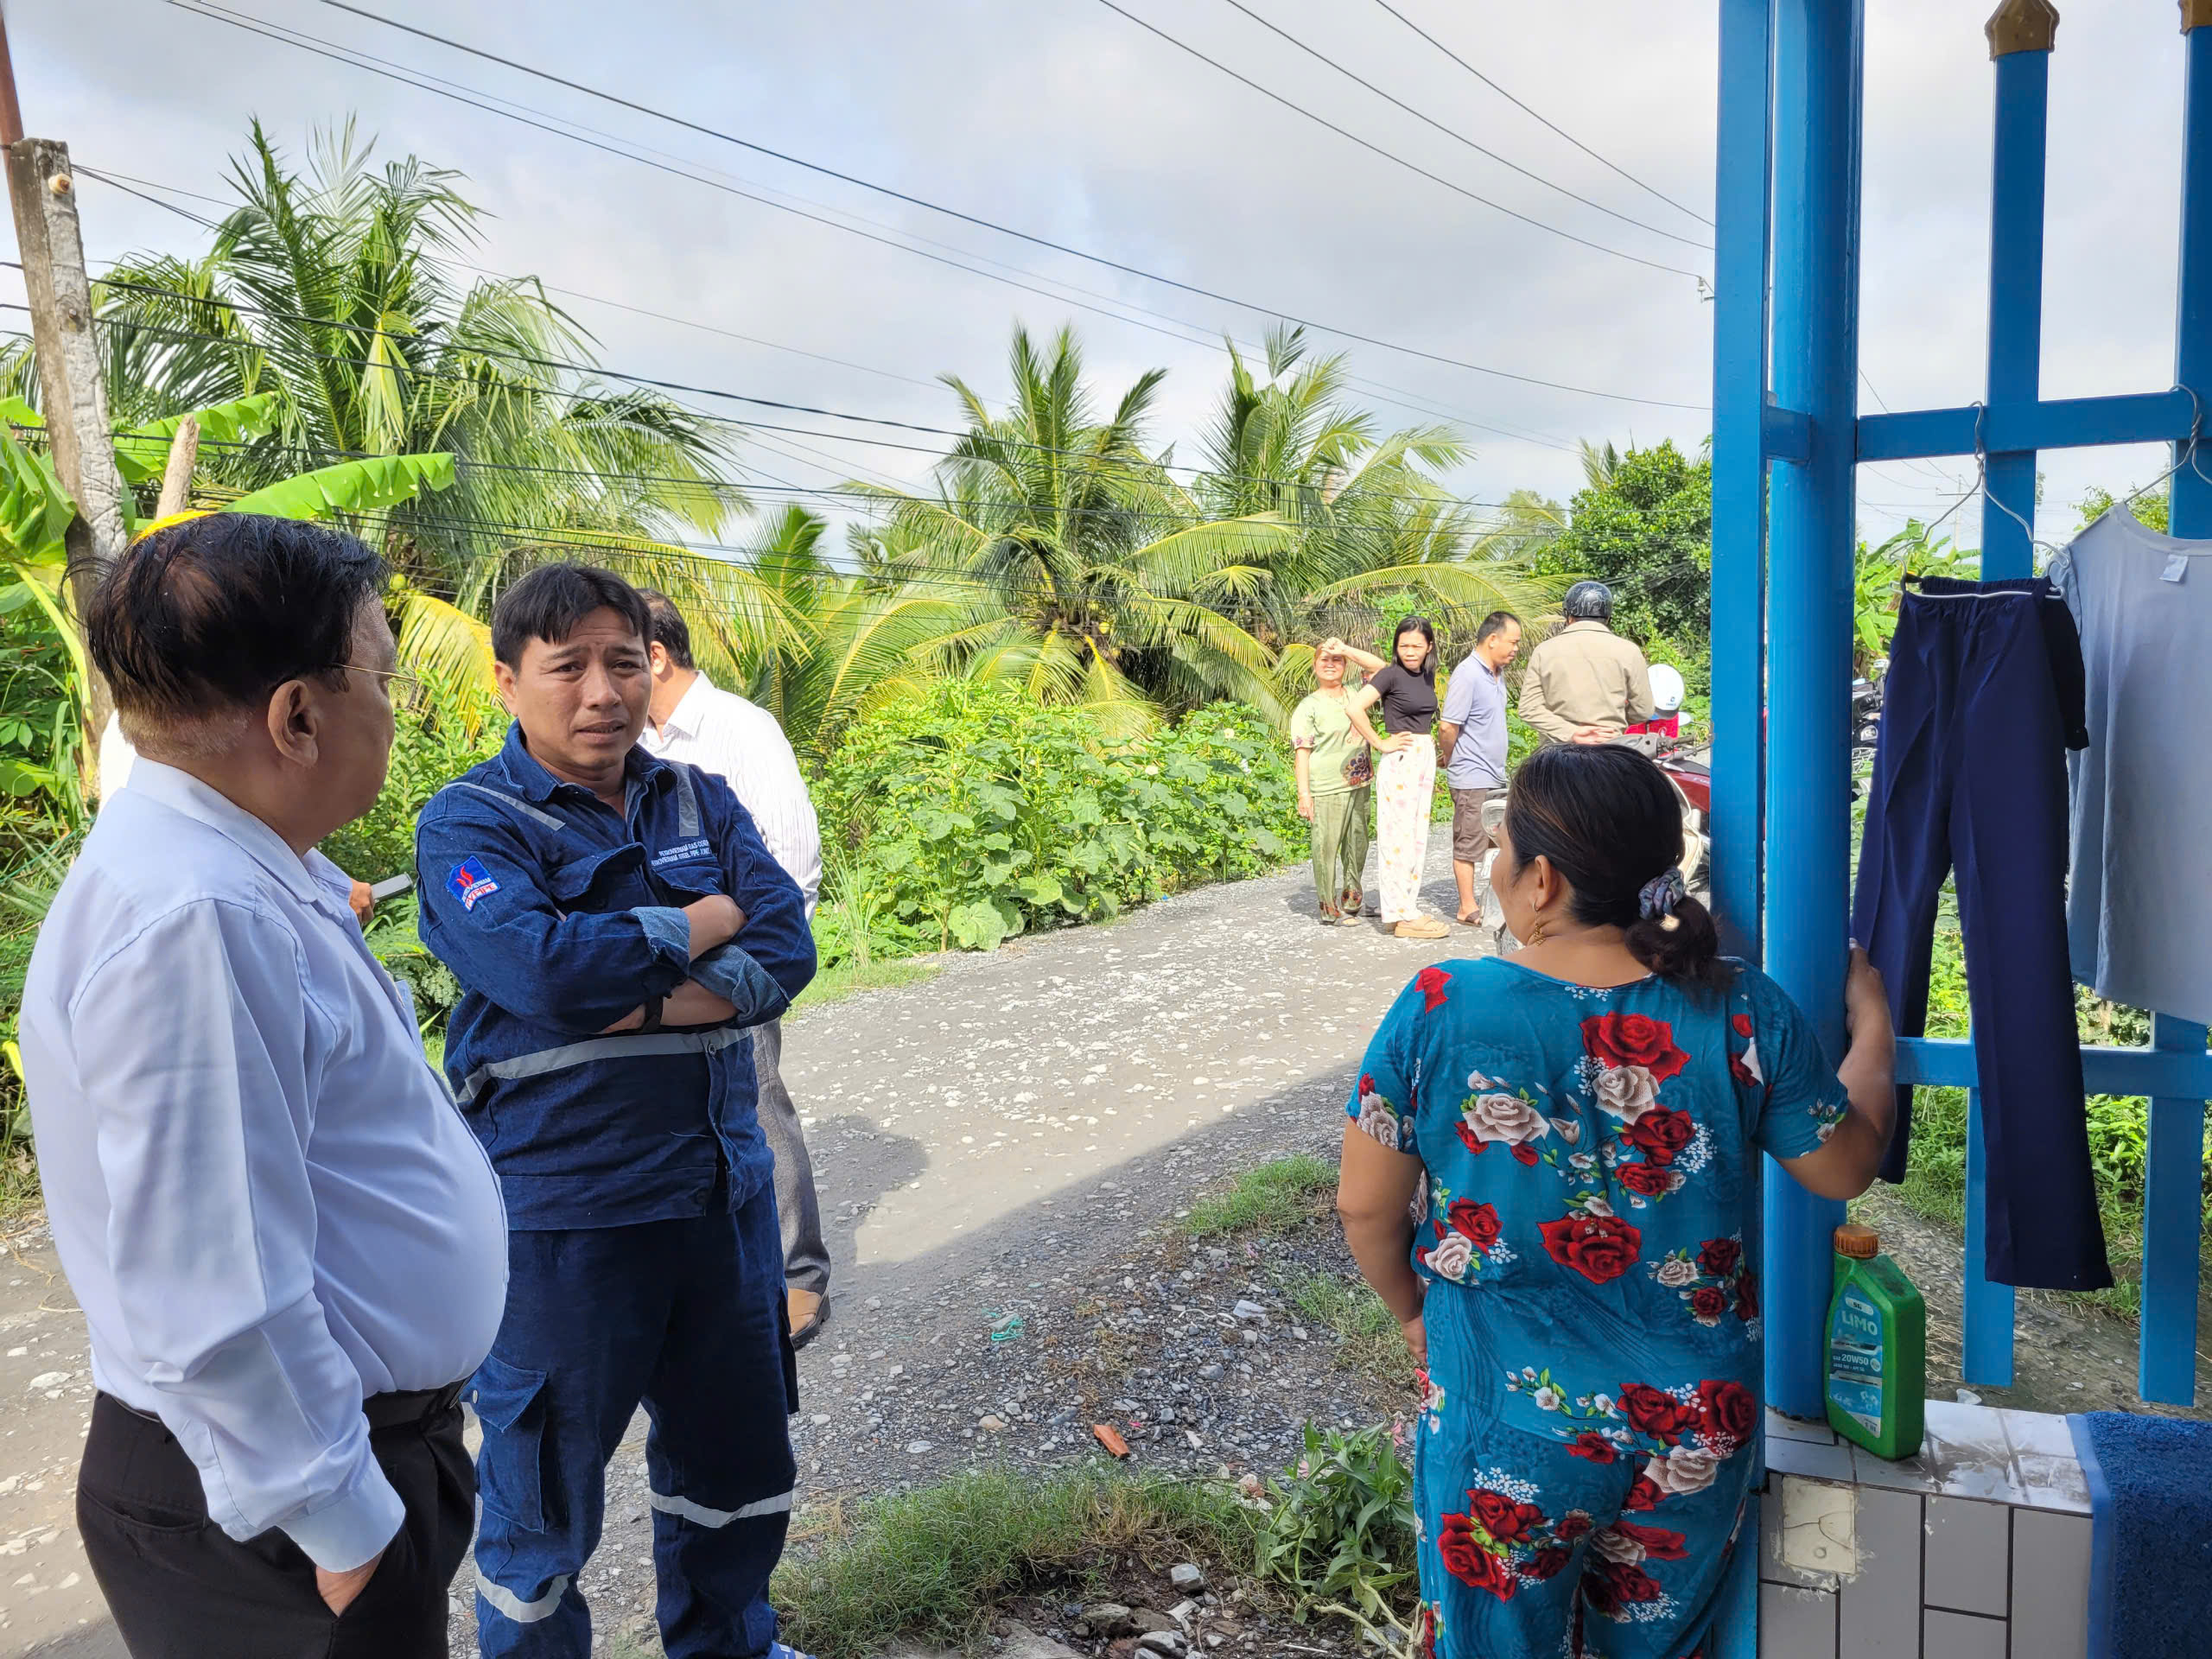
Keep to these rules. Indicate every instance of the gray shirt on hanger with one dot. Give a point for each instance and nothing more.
(2139, 911)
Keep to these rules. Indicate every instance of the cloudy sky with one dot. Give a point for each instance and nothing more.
(1068, 121)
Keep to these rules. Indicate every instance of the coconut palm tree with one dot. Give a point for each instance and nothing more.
(1376, 529)
(1072, 560)
(338, 288)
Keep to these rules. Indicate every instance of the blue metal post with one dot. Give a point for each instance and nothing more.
(2173, 1173)
(1742, 185)
(2165, 1365)
(1808, 843)
(2019, 41)
(2015, 297)
(1742, 195)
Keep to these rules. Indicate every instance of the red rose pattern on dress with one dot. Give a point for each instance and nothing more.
(1430, 982)
(1599, 1248)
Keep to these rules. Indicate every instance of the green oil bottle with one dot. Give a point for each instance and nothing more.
(1877, 1349)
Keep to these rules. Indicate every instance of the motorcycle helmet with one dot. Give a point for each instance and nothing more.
(1588, 600)
(1666, 688)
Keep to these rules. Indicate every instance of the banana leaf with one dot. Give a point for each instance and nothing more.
(142, 452)
(35, 511)
(350, 486)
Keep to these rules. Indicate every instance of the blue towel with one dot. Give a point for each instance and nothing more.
(2150, 1535)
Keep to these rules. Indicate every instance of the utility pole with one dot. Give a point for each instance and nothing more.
(42, 191)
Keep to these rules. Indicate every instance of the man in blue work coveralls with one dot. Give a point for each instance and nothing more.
(617, 925)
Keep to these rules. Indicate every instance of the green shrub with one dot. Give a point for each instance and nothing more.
(443, 730)
(971, 814)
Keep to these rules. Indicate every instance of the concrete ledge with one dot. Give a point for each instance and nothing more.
(1977, 1548)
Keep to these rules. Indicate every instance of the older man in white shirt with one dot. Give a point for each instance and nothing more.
(289, 1248)
(693, 719)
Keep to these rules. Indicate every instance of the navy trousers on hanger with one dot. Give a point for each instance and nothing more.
(1984, 697)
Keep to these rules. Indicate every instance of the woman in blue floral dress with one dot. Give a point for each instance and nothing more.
(1546, 1175)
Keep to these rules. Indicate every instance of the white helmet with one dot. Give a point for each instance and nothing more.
(1666, 688)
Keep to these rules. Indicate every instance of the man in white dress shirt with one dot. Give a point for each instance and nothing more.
(118, 759)
(289, 1247)
(693, 719)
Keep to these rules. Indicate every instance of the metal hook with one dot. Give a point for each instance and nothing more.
(2187, 447)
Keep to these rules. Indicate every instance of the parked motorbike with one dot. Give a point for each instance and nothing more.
(1688, 766)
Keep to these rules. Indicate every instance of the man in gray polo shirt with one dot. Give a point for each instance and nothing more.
(1472, 743)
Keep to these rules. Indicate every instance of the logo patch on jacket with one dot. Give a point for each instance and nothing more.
(682, 852)
(470, 881)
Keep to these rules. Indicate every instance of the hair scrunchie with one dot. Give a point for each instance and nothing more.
(1659, 896)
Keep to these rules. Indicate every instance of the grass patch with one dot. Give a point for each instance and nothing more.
(1276, 1197)
(848, 979)
(935, 1564)
(1366, 1328)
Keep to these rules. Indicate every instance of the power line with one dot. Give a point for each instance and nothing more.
(209, 10)
(323, 455)
(1197, 336)
(1539, 120)
(1453, 133)
(865, 184)
(1364, 143)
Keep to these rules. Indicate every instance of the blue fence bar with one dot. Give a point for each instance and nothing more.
(1943, 1064)
(1807, 839)
(2060, 423)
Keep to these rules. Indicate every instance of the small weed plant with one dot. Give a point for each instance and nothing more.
(1338, 1533)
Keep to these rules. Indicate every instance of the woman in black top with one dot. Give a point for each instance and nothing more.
(1405, 776)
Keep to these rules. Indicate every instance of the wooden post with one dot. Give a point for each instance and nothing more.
(42, 191)
(176, 477)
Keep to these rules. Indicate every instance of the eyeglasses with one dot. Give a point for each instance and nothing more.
(395, 675)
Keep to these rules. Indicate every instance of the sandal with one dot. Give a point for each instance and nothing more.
(805, 1321)
(1422, 927)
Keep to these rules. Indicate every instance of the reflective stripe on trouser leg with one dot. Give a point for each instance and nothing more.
(702, 1516)
(514, 1607)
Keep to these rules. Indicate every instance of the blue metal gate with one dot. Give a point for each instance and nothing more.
(1787, 439)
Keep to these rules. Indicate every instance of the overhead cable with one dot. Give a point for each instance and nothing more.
(1539, 120)
(213, 12)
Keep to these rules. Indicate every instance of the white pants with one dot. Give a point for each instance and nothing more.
(1405, 787)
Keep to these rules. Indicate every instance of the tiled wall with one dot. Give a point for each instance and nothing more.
(1979, 1549)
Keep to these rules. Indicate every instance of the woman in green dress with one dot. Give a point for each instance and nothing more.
(1334, 773)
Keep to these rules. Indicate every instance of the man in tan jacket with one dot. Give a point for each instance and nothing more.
(1585, 683)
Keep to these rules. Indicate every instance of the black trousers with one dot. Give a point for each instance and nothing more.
(1983, 699)
(181, 1588)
